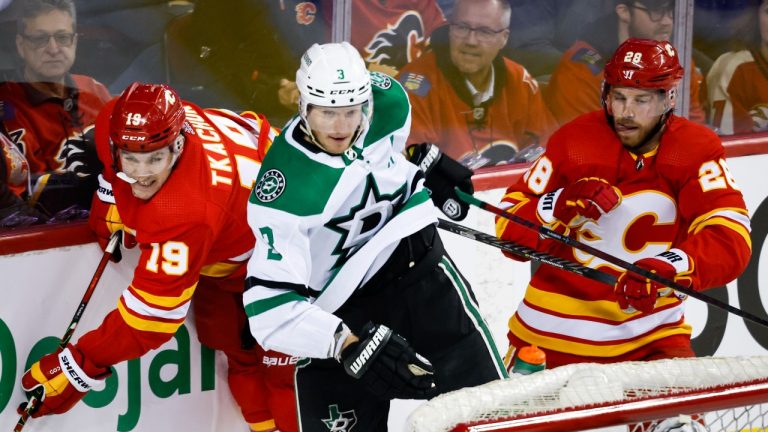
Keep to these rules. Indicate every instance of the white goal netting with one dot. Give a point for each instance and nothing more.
(723, 393)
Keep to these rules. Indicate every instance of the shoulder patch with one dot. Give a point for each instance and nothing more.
(416, 83)
(270, 186)
(589, 57)
(381, 80)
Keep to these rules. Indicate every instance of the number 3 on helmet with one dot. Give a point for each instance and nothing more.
(333, 75)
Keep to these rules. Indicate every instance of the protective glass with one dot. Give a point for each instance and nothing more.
(40, 40)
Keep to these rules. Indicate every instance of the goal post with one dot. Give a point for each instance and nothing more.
(723, 393)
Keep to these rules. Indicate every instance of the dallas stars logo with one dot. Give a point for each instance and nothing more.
(270, 186)
(338, 421)
(363, 220)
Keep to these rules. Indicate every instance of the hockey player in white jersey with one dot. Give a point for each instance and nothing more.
(349, 271)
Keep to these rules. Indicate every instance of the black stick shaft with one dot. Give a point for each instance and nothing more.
(34, 400)
(609, 258)
(526, 252)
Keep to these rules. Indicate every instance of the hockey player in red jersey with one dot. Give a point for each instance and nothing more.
(176, 179)
(644, 185)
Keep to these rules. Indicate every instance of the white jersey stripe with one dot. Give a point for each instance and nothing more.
(597, 331)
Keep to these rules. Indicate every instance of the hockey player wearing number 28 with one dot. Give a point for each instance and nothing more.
(348, 270)
(638, 182)
(176, 179)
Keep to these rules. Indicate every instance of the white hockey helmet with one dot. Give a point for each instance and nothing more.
(333, 75)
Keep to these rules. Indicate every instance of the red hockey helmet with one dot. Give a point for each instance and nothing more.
(644, 63)
(147, 117)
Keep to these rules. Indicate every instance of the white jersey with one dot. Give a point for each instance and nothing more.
(326, 223)
(718, 80)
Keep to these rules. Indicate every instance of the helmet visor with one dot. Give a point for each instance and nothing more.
(138, 165)
(635, 103)
(335, 120)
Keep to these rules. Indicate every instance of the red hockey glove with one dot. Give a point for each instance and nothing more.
(573, 205)
(104, 219)
(634, 292)
(60, 380)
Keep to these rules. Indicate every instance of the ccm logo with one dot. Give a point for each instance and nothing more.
(342, 92)
(133, 138)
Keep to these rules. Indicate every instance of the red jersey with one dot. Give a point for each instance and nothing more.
(740, 93)
(194, 225)
(40, 124)
(681, 195)
(488, 133)
(394, 32)
(575, 86)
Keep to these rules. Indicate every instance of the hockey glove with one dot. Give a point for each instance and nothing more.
(634, 292)
(105, 220)
(573, 205)
(387, 365)
(59, 380)
(443, 175)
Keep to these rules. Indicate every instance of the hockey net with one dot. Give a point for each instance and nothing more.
(728, 393)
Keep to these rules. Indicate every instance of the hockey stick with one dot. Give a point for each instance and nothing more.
(546, 232)
(38, 393)
(526, 252)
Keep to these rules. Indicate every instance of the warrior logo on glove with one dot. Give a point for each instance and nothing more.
(575, 204)
(387, 365)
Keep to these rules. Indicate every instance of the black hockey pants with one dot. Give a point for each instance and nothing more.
(421, 295)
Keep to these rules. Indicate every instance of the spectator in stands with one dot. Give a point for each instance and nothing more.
(541, 30)
(574, 87)
(47, 111)
(476, 105)
(738, 80)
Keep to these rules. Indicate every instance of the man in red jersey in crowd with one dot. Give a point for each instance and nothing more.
(644, 185)
(479, 107)
(176, 180)
(49, 112)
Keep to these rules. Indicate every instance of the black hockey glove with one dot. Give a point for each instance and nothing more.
(387, 365)
(443, 174)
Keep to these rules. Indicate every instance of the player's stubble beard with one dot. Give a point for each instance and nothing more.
(647, 142)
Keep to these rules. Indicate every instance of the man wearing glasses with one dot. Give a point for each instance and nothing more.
(48, 112)
(574, 87)
(476, 105)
